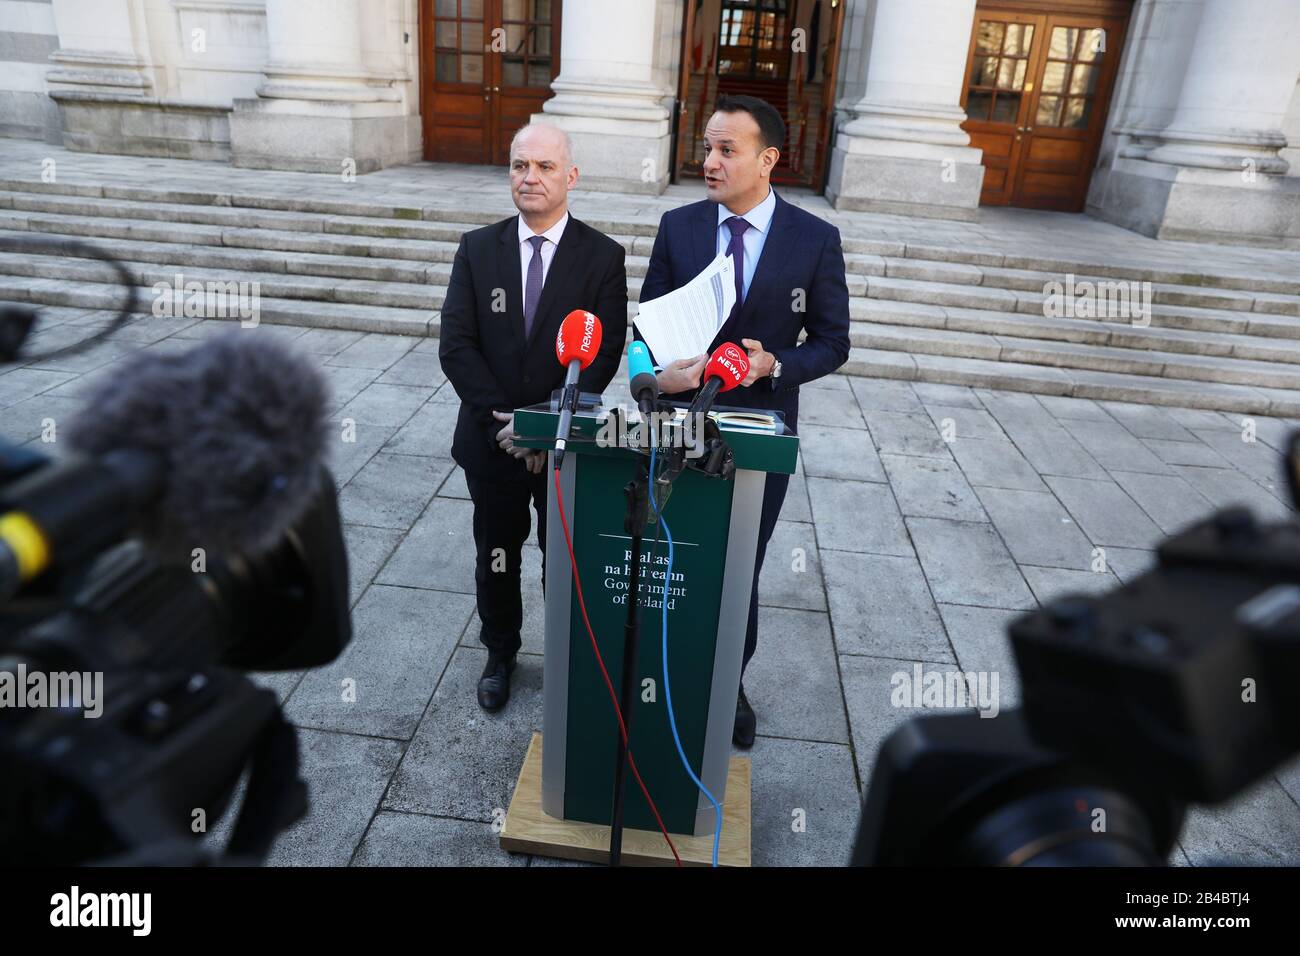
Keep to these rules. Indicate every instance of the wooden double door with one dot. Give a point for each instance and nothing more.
(1037, 93)
(485, 67)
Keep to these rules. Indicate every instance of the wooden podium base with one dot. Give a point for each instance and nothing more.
(529, 830)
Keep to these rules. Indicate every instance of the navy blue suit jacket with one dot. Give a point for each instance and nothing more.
(801, 252)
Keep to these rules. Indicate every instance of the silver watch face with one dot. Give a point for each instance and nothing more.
(776, 369)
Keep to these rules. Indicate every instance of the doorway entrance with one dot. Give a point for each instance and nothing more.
(783, 51)
(485, 67)
(1039, 80)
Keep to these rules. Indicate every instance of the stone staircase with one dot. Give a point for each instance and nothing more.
(920, 311)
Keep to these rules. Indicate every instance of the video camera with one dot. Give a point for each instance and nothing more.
(192, 536)
(1175, 688)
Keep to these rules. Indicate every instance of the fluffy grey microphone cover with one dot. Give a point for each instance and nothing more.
(240, 424)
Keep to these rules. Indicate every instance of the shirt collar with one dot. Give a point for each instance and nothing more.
(759, 218)
(553, 234)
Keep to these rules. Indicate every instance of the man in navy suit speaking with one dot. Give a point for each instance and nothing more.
(790, 280)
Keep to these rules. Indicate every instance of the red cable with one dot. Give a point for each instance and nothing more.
(618, 712)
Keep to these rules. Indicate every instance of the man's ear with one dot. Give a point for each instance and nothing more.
(573, 177)
(770, 156)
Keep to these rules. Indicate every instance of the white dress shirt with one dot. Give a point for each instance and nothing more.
(759, 219)
(548, 250)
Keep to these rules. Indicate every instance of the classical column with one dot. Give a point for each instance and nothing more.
(904, 150)
(1240, 78)
(320, 109)
(115, 93)
(103, 50)
(1214, 171)
(606, 97)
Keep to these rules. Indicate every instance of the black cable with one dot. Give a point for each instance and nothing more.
(69, 246)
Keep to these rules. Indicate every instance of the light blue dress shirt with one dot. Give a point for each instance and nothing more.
(760, 222)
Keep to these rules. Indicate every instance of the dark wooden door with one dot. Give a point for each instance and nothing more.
(783, 51)
(1038, 88)
(485, 67)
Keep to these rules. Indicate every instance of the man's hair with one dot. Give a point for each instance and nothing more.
(567, 149)
(771, 128)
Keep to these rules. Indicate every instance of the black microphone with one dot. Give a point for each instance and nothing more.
(576, 346)
(220, 447)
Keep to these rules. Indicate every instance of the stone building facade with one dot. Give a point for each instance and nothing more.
(1174, 118)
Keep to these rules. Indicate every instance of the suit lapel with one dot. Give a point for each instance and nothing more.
(704, 232)
(567, 256)
(512, 281)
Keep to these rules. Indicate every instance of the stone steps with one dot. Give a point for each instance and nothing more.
(939, 278)
(646, 227)
(418, 261)
(919, 311)
(367, 281)
(1101, 358)
(271, 311)
(869, 314)
(893, 260)
(1076, 383)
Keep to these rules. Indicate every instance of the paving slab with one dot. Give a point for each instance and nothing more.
(966, 562)
(881, 606)
(1037, 529)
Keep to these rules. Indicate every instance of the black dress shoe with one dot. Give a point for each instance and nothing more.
(746, 722)
(494, 684)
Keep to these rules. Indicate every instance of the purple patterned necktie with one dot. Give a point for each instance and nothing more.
(533, 288)
(736, 249)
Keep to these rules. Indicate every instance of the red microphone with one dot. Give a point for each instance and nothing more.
(727, 368)
(576, 346)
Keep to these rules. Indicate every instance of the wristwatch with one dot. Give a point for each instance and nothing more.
(776, 367)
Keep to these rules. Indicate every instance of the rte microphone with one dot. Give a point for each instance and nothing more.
(576, 346)
(727, 368)
(221, 447)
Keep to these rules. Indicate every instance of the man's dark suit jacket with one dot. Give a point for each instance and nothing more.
(484, 353)
(800, 252)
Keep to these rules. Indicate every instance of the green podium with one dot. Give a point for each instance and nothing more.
(714, 524)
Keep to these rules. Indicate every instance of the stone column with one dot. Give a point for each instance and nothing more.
(903, 150)
(101, 75)
(1215, 171)
(1240, 78)
(103, 50)
(320, 109)
(606, 97)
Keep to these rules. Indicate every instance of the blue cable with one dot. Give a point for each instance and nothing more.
(668, 692)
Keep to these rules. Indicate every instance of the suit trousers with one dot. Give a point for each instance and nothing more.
(773, 497)
(501, 526)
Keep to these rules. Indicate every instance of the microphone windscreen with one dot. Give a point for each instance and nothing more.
(239, 424)
(578, 338)
(730, 363)
(638, 360)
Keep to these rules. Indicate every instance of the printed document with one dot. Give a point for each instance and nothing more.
(682, 323)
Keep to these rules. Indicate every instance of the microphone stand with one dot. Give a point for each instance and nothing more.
(637, 493)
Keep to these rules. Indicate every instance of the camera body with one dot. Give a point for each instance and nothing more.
(1177, 687)
(179, 720)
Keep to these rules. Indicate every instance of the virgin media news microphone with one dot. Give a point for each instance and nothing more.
(576, 346)
(727, 368)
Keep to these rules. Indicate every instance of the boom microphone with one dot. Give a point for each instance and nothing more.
(576, 346)
(219, 447)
